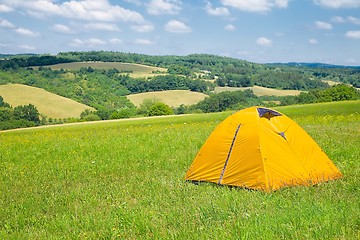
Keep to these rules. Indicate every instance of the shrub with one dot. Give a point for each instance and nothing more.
(159, 109)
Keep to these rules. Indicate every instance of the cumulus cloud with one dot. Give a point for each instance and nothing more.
(89, 10)
(115, 41)
(102, 26)
(338, 19)
(143, 42)
(161, 7)
(91, 42)
(313, 41)
(348, 19)
(353, 34)
(255, 5)
(338, 3)
(354, 20)
(26, 32)
(219, 11)
(175, 26)
(5, 8)
(230, 27)
(6, 24)
(61, 28)
(323, 25)
(27, 47)
(143, 28)
(264, 42)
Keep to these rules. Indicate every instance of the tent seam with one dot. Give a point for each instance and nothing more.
(261, 152)
(228, 156)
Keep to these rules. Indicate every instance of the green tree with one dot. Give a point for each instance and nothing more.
(3, 103)
(5, 114)
(27, 112)
(144, 108)
(159, 109)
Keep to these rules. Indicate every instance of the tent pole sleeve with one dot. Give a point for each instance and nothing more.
(228, 156)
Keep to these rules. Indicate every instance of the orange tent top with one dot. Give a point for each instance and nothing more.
(260, 148)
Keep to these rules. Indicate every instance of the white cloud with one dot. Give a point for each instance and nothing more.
(175, 26)
(281, 3)
(26, 32)
(95, 41)
(219, 11)
(115, 41)
(91, 42)
(61, 28)
(323, 25)
(230, 27)
(102, 26)
(264, 42)
(338, 19)
(6, 24)
(161, 7)
(143, 42)
(313, 41)
(255, 5)
(5, 8)
(143, 28)
(353, 34)
(89, 10)
(338, 3)
(27, 47)
(354, 20)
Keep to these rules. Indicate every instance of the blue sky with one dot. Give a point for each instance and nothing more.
(261, 31)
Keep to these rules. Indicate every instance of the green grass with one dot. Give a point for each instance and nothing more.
(124, 180)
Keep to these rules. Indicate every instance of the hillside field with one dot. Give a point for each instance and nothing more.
(137, 70)
(125, 179)
(173, 98)
(48, 104)
(260, 91)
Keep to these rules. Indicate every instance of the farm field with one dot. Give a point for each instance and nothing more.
(125, 179)
(138, 70)
(260, 91)
(48, 104)
(173, 98)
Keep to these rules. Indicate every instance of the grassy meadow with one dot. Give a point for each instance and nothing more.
(260, 91)
(124, 180)
(173, 98)
(137, 70)
(47, 103)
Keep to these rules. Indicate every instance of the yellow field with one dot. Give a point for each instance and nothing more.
(138, 70)
(173, 98)
(260, 91)
(48, 104)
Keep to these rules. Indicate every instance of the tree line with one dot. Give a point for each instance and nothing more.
(18, 117)
(106, 90)
(226, 71)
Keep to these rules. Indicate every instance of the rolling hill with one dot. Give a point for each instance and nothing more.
(173, 98)
(134, 70)
(260, 91)
(48, 104)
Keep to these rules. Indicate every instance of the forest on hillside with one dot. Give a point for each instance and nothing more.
(105, 89)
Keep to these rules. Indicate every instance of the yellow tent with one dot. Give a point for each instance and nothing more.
(260, 148)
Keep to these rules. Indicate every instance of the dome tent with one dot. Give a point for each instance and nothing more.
(260, 148)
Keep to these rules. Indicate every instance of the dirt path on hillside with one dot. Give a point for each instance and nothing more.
(92, 122)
